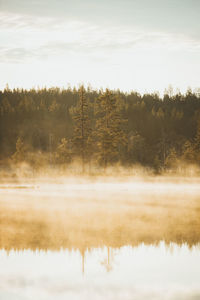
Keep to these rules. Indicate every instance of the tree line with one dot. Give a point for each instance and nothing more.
(99, 128)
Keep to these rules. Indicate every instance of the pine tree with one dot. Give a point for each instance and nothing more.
(82, 128)
(197, 142)
(20, 153)
(63, 152)
(171, 159)
(197, 137)
(188, 152)
(109, 130)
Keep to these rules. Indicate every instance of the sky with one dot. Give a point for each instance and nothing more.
(142, 45)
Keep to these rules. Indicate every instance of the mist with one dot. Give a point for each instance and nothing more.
(99, 178)
(83, 213)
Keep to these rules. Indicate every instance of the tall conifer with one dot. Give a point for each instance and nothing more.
(82, 128)
(109, 129)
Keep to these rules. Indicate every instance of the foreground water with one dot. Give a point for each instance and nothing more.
(144, 272)
(121, 240)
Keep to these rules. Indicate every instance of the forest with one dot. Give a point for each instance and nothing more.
(98, 128)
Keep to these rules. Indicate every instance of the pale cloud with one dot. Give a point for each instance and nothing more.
(105, 39)
(15, 55)
(18, 21)
(29, 38)
(180, 16)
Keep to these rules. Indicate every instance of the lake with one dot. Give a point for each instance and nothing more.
(100, 240)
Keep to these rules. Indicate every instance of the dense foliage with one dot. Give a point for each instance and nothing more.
(99, 127)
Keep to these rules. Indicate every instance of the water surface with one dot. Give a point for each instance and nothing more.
(143, 272)
(100, 240)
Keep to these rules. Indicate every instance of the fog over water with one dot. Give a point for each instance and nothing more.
(100, 238)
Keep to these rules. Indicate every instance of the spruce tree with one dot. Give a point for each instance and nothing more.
(197, 142)
(21, 151)
(82, 128)
(110, 135)
(63, 152)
